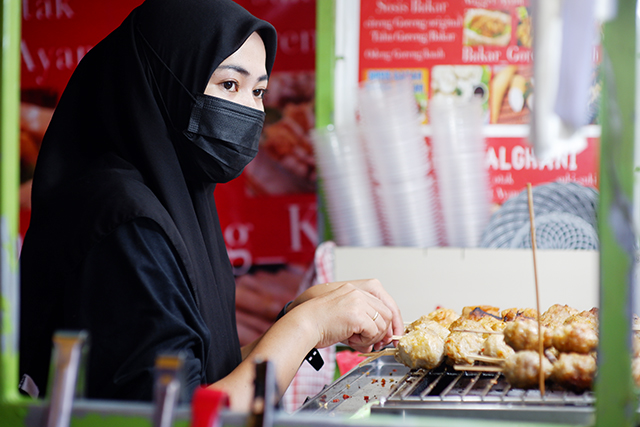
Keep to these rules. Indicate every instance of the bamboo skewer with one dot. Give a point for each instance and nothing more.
(535, 273)
(478, 368)
(486, 359)
(379, 353)
(478, 331)
(370, 357)
(473, 331)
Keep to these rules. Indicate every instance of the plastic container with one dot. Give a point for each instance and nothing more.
(463, 182)
(398, 160)
(346, 186)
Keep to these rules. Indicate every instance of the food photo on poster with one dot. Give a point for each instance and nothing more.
(463, 81)
(285, 162)
(486, 27)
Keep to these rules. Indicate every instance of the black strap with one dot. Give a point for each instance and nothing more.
(315, 359)
(283, 311)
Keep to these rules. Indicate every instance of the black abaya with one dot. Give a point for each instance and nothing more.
(119, 234)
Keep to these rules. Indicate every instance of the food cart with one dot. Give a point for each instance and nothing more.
(614, 401)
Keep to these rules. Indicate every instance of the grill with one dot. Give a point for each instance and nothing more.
(388, 387)
(461, 393)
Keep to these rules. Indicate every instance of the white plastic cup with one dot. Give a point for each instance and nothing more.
(458, 148)
(398, 158)
(346, 186)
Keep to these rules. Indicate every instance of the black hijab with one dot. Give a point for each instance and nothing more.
(110, 154)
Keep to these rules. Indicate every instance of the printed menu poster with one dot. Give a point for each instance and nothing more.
(473, 48)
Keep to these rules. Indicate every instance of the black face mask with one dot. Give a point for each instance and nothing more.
(224, 136)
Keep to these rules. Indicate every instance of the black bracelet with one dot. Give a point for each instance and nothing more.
(283, 311)
(313, 357)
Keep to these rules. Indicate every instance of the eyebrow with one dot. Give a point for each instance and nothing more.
(242, 71)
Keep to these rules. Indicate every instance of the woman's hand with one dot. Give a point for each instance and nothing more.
(359, 313)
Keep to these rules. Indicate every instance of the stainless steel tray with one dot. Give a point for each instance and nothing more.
(360, 387)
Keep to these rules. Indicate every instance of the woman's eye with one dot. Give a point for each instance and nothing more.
(259, 93)
(229, 85)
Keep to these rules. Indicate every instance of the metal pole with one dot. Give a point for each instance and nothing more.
(616, 401)
(9, 202)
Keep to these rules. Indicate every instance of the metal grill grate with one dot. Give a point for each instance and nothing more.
(446, 385)
(391, 388)
(450, 393)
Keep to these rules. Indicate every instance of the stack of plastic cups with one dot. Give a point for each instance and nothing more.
(459, 160)
(398, 159)
(346, 187)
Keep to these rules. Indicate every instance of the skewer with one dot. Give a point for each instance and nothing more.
(477, 331)
(379, 353)
(370, 357)
(478, 368)
(535, 273)
(486, 359)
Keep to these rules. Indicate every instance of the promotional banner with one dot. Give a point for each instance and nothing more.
(55, 37)
(474, 48)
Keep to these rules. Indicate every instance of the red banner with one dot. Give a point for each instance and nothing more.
(57, 34)
(55, 37)
(295, 21)
(464, 48)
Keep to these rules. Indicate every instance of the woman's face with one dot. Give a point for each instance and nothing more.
(242, 77)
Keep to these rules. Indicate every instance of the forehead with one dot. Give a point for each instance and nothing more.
(251, 54)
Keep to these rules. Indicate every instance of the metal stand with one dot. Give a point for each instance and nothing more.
(68, 351)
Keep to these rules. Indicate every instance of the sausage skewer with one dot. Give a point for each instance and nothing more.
(509, 346)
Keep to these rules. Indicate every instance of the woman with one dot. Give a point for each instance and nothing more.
(124, 240)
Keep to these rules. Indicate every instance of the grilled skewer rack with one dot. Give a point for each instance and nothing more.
(444, 392)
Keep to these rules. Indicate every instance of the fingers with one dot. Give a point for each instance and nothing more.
(376, 326)
(374, 287)
(360, 314)
(396, 319)
(395, 324)
(357, 344)
(348, 312)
